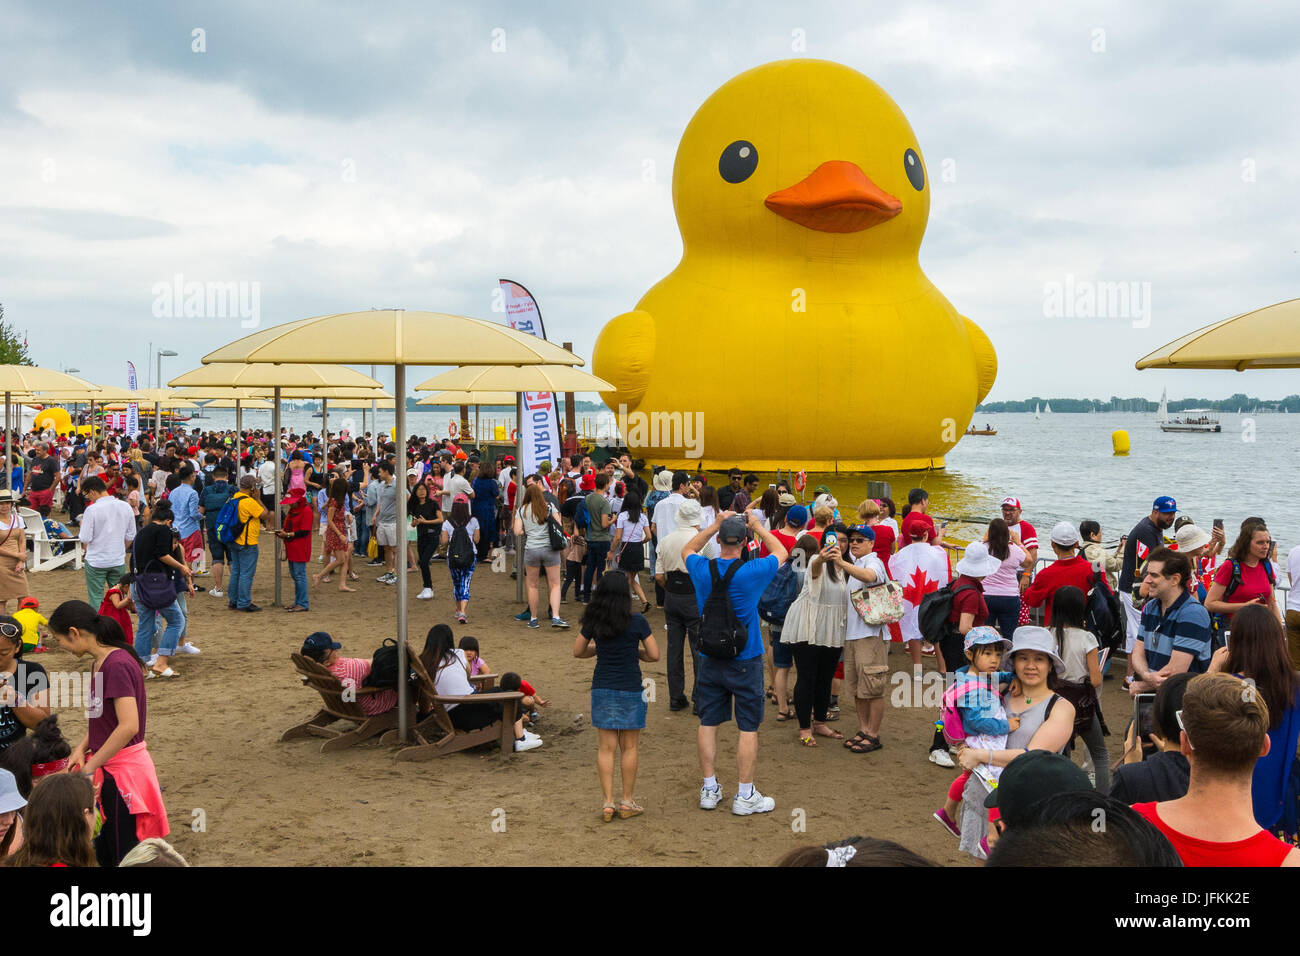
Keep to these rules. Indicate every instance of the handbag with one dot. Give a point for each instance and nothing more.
(155, 589)
(879, 603)
(372, 549)
(558, 541)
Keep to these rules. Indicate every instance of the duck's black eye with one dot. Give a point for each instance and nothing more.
(915, 171)
(738, 161)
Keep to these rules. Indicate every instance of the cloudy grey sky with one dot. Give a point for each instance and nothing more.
(344, 156)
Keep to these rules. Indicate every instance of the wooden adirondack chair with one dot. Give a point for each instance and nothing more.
(335, 707)
(435, 736)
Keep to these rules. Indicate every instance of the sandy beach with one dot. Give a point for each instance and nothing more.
(237, 796)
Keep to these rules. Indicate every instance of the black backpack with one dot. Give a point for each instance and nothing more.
(934, 611)
(722, 634)
(383, 666)
(779, 594)
(460, 550)
(1104, 615)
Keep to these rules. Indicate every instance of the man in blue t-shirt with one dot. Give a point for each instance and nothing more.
(719, 681)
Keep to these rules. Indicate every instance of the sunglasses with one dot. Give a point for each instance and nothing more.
(9, 630)
(1178, 715)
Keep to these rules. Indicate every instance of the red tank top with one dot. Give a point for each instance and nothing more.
(1263, 849)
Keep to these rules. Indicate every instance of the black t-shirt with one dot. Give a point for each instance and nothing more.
(1148, 534)
(28, 679)
(44, 473)
(152, 543)
(617, 664)
(429, 511)
(1162, 776)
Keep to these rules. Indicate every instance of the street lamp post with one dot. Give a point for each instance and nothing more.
(73, 371)
(157, 409)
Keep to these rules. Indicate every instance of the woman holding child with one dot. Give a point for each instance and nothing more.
(1045, 722)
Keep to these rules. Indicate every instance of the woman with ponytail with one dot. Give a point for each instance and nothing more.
(113, 751)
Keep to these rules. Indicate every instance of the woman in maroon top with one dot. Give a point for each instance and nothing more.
(117, 707)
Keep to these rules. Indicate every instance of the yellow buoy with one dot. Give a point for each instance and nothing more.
(1119, 441)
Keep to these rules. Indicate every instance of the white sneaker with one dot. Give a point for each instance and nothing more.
(709, 799)
(188, 649)
(757, 803)
(527, 742)
(941, 758)
(216, 592)
(425, 595)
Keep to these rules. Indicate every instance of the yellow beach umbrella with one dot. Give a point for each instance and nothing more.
(468, 398)
(398, 338)
(1265, 338)
(25, 379)
(464, 399)
(517, 378)
(242, 404)
(264, 375)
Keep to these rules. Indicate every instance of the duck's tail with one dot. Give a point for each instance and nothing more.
(624, 356)
(986, 360)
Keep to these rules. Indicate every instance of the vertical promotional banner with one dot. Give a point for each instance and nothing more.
(539, 414)
(132, 410)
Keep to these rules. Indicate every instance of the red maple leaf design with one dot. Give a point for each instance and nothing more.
(918, 587)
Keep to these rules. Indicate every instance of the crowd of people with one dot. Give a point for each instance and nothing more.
(751, 586)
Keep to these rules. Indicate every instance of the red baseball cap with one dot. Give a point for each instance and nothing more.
(1010, 502)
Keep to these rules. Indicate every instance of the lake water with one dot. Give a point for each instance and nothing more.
(1060, 466)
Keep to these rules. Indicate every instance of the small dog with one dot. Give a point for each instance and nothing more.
(44, 750)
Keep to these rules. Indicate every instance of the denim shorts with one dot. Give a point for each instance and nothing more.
(617, 709)
(718, 682)
(782, 654)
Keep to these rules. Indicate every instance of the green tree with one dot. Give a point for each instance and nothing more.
(13, 350)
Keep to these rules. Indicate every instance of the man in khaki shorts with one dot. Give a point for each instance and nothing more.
(866, 655)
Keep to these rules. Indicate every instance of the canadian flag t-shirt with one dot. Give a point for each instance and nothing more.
(919, 568)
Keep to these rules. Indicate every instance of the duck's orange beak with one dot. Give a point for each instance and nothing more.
(836, 197)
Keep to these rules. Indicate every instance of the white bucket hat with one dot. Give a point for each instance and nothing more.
(1031, 638)
(689, 514)
(977, 562)
(10, 798)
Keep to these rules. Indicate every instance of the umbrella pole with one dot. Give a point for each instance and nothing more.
(275, 495)
(325, 433)
(9, 465)
(239, 429)
(519, 497)
(403, 691)
(374, 424)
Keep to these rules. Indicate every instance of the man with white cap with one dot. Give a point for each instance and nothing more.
(680, 609)
(1069, 569)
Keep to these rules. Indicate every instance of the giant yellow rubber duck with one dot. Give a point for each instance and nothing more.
(798, 329)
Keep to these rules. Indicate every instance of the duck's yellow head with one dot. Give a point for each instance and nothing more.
(800, 150)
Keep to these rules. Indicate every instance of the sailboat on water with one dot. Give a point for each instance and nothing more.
(1047, 408)
(1037, 408)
